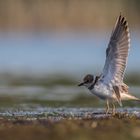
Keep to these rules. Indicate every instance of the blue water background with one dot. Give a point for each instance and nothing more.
(60, 52)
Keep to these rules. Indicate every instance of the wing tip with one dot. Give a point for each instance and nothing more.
(123, 21)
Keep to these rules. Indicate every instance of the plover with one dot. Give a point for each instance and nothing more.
(109, 85)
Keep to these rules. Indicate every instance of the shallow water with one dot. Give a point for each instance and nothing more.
(63, 113)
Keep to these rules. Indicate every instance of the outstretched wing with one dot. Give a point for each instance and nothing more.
(117, 53)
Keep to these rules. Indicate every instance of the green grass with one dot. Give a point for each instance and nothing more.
(79, 101)
(56, 79)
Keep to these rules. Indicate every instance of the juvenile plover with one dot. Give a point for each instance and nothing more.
(109, 85)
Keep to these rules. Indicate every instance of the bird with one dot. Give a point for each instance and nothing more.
(109, 85)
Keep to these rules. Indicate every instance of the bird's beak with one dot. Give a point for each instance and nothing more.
(81, 84)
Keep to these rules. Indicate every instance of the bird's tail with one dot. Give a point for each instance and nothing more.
(129, 97)
(135, 98)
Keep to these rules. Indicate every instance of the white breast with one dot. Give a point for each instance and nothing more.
(102, 91)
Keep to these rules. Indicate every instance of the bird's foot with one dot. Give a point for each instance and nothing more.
(107, 111)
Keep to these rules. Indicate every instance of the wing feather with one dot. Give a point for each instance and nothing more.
(117, 53)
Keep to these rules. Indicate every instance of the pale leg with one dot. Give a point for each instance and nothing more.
(113, 109)
(107, 106)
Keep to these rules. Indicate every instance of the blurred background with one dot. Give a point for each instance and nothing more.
(47, 46)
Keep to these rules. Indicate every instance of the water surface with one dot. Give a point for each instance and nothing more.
(69, 52)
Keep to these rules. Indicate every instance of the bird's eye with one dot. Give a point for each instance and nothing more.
(87, 81)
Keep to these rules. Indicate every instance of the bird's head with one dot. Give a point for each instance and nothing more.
(87, 80)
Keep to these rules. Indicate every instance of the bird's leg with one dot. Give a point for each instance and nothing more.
(107, 107)
(113, 109)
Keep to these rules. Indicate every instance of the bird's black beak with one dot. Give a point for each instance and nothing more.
(81, 84)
